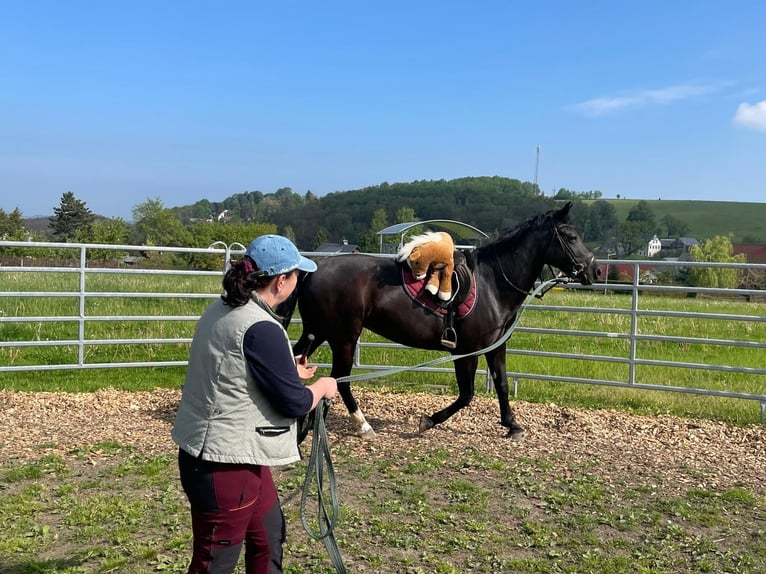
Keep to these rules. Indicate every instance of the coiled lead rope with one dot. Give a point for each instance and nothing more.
(319, 466)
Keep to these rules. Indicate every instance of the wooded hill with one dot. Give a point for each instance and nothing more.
(488, 203)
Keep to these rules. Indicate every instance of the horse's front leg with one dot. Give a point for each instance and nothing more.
(496, 363)
(342, 360)
(465, 371)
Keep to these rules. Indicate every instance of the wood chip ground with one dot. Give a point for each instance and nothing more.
(685, 453)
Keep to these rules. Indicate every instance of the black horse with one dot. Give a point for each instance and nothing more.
(351, 292)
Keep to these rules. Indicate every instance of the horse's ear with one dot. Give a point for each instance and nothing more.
(563, 213)
(415, 254)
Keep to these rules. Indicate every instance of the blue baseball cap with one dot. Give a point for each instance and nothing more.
(275, 254)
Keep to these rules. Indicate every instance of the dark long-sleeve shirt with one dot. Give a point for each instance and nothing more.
(272, 364)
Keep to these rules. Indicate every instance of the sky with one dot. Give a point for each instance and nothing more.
(122, 102)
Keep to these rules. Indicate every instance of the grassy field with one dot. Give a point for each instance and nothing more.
(131, 319)
(706, 218)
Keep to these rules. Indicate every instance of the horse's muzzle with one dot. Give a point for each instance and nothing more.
(587, 273)
(590, 272)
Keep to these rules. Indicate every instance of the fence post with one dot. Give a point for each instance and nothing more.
(633, 326)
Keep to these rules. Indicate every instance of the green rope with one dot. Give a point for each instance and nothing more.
(319, 466)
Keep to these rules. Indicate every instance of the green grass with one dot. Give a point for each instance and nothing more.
(110, 509)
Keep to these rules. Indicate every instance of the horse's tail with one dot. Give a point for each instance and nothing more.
(287, 307)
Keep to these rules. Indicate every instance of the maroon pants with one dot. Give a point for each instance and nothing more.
(232, 504)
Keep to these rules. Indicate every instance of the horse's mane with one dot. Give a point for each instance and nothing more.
(511, 234)
(417, 241)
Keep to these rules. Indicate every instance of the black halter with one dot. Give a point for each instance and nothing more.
(577, 267)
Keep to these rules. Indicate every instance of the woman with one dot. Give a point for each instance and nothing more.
(237, 415)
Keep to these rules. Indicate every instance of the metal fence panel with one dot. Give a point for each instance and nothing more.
(84, 301)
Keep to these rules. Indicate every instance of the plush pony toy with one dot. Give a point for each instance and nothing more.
(431, 251)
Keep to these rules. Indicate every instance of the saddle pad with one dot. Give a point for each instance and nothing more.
(415, 288)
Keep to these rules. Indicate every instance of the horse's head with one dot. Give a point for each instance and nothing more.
(418, 263)
(568, 251)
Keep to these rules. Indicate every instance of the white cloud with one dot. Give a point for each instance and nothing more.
(611, 104)
(751, 116)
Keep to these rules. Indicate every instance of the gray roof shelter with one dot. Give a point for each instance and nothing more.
(463, 234)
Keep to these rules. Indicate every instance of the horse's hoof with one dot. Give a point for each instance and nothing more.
(366, 433)
(426, 423)
(515, 433)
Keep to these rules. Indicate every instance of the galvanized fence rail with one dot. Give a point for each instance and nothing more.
(81, 265)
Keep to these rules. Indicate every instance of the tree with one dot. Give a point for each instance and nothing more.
(289, 233)
(638, 228)
(286, 198)
(156, 225)
(404, 215)
(643, 214)
(72, 216)
(114, 231)
(321, 237)
(370, 241)
(717, 249)
(309, 197)
(12, 226)
(202, 210)
(565, 193)
(601, 224)
(630, 237)
(675, 227)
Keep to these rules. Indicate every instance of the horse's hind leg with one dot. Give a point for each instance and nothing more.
(342, 359)
(496, 363)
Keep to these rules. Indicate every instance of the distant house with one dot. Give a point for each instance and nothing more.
(754, 252)
(653, 247)
(688, 242)
(674, 249)
(344, 247)
(624, 272)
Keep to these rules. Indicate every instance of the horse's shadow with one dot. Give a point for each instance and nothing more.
(339, 426)
(165, 413)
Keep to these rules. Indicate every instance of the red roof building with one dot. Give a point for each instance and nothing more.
(755, 252)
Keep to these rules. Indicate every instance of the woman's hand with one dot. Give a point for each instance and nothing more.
(304, 371)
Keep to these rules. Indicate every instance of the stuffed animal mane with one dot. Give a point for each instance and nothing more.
(417, 241)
